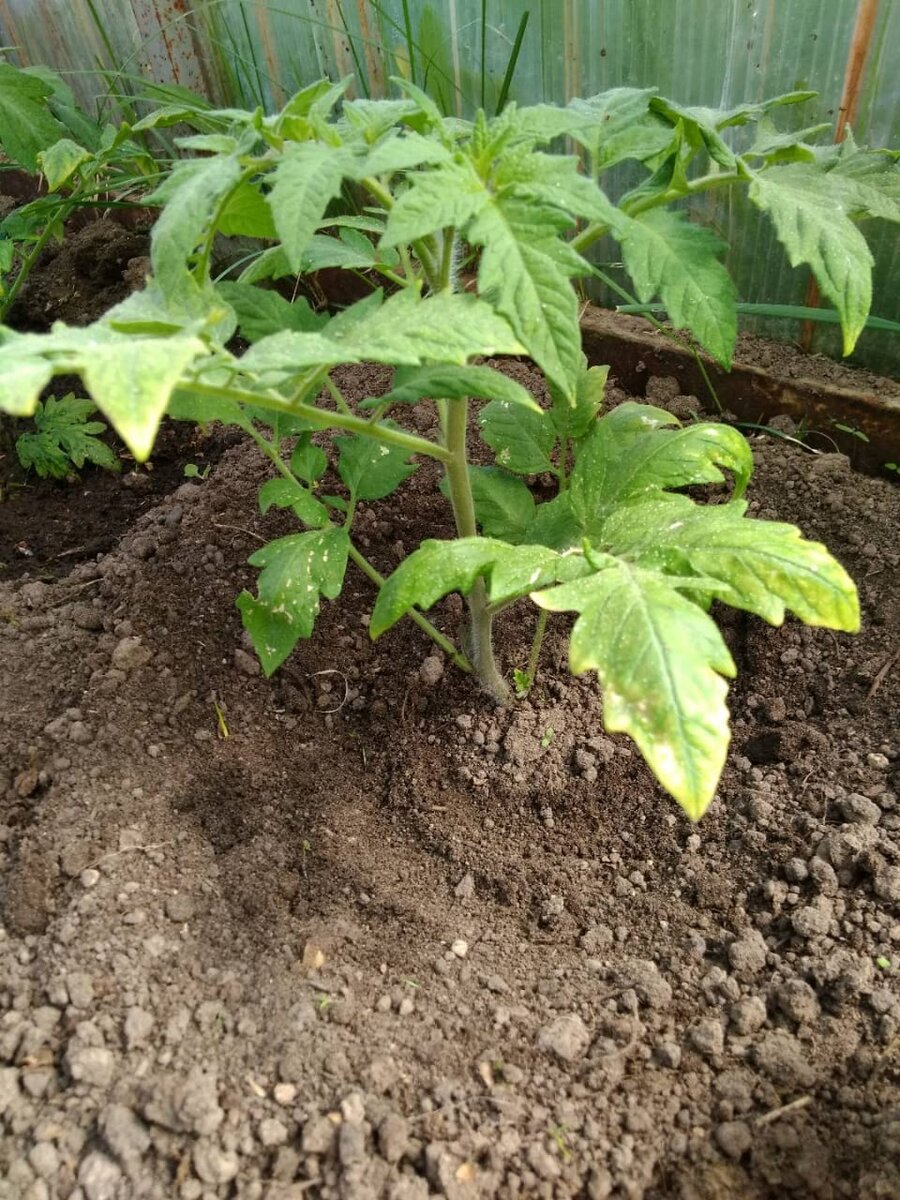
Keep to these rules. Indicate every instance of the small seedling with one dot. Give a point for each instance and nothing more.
(852, 430)
(192, 471)
(883, 963)
(64, 439)
(547, 738)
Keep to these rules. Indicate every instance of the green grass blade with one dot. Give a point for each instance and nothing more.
(511, 65)
(483, 50)
(410, 43)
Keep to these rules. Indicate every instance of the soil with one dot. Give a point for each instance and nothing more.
(383, 940)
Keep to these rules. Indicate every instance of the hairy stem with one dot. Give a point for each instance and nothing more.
(478, 641)
(536, 645)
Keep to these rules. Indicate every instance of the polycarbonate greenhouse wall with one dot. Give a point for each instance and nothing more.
(712, 52)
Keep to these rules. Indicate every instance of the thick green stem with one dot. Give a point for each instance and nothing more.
(478, 641)
(536, 645)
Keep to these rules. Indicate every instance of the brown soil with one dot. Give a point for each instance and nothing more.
(384, 940)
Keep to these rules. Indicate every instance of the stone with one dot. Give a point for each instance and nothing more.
(748, 1015)
(708, 1037)
(189, 1105)
(138, 1026)
(80, 987)
(93, 1065)
(130, 654)
(459, 948)
(860, 810)
(887, 884)
(213, 1164)
(566, 1036)
(272, 1132)
(180, 908)
(246, 663)
(125, 1134)
(813, 920)
(319, 1134)
(393, 1137)
(668, 1054)
(747, 956)
(734, 1138)
(44, 1159)
(100, 1177)
(465, 889)
(351, 1143)
(431, 671)
(797, 1000)
(781, 1057)
(542, 1161)
(9, 1089)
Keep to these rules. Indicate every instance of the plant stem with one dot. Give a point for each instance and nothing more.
(321, 418)
(37, 249)
(537, 643)
(272, 453)
(478, 641)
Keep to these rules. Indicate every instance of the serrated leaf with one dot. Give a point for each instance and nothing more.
(556, 180)
(26, 125)
(370, 469)
(661, 661)
(261, 311)
(444, 382)
(813, 227)
(768, 567)
(575, 421)
(374, 118)
(200, 409)
(555, 525)
(296, 572)
(450, 195)
(402, 152)
(521, 441)
(25, 374)
(131, 381)
(669, 257)
(504, 505)
(404, 330)
(284, 493)
(637, 450)
(429, 573)
(191, 194)
(308, 177)
(621, 127)
(701, 127)
(525, 270)
(64, 439)
(60, 162)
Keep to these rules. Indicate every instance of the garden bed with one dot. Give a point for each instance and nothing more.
(385, 940)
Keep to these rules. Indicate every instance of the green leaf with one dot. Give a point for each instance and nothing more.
(524, 271)
(701, 127)
(401, 153)
(370, 469)
(810, 221)
(555, 180)
(868, 185)
(637, 450)
(323, 251)
(26, 125)
(504, 505)
(63, 438)
(308, 177)
(191, 194)
(669, 257)
(60, 162)
(574, 422)
(284, 493)
(308, 462)
(296, 572)
(766, 566)
(374, 118)
(200, 409)
(132, 379)
(555, 525)
(521, 440)
(404, 330)
(261, 312)
(25, 373)
(444, 382)
(525, 569)
(246, 214)
(450, 195)
(270, 264)
(620, 127)
(660, 660)
(429, 573)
